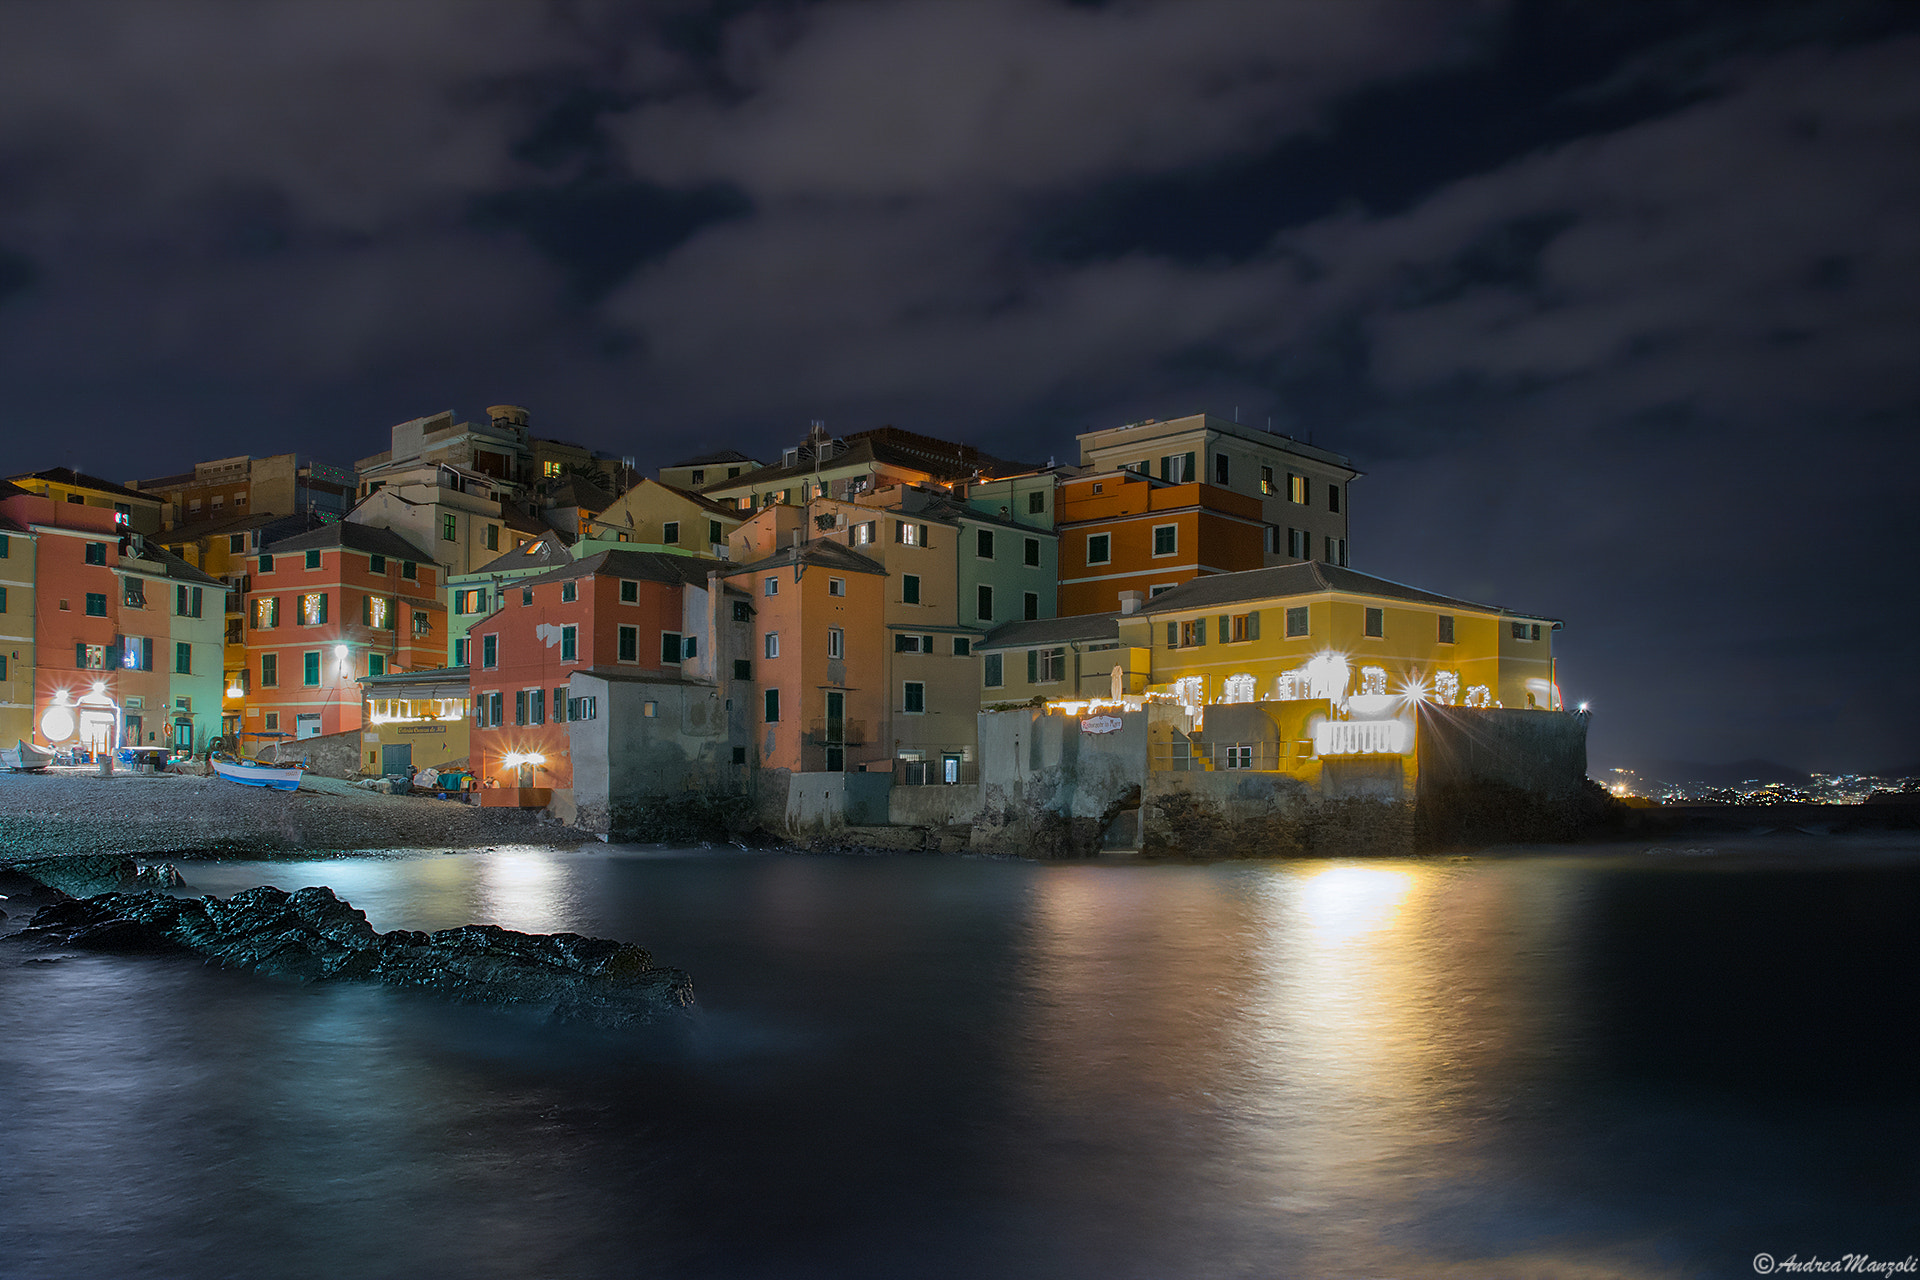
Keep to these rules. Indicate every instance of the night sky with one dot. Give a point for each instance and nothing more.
(1616, 304)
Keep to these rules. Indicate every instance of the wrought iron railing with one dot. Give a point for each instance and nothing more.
(1184, 756)
(936, 773)
(837, 733)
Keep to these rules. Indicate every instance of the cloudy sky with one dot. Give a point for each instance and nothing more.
(1617, 305)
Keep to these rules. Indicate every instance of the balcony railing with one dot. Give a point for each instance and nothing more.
(837, 733)
(1181, 756)
(935, 773)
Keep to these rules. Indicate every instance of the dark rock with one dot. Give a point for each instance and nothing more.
(80, 874)
(313, 936)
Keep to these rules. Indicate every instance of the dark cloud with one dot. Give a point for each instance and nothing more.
(1615, 303)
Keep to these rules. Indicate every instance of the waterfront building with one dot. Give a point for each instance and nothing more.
(1123, 531)
(17, 553)
(619, 613)
(225, 488)
(137, 511)
(671, 518)
(708, 468)
(326, 607)
(415, 719)
(1302, 490)
(1070, 658)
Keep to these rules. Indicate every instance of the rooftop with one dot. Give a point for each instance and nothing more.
(355, 537)
(824, 552)
(1051, 631)
(1304, 578)
(648, 566)
(81, 480)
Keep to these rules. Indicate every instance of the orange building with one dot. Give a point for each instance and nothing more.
(1124, 531)
(820, 616)
(326, 607)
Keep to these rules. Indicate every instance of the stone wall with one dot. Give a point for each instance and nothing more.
(1210, 815)
(1492, 775)
(331, 755)
(668, 776)
(1050, 790)
(933, 806)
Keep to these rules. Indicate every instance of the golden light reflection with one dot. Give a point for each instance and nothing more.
(1343, 902)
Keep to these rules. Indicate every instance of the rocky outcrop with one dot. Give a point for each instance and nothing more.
(311, 935)
(88, 873)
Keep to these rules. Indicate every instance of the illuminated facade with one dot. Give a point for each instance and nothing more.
(416, 719)
(326, 607)
(1125, 532)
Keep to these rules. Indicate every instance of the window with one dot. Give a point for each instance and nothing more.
(1241, 626)
(310, 668)
(135, 593)
(377, 612)
(187, 601)
(991, 666)
(472, 600)
(520, 706)
(1178, 468)
(273, 720)
(559, 704)
(985, 603)
(90, 656)
(912, 535)
(1300, 544)
(770, 644)
(3, 599)
(1240, 756)
(526, 596)
(1333, 497)
(449, 528)
(582, 708)
(313, 609)
(962, 647)
(1376, 623)
(913, 644)
(1030, 605)
(1046, 666)
(376, 664)
(4, 546)
(771, 706)
(460, 652)
(913, 698)
(836, 643)
(266, 562)
(313, 558)
(910, 588)
(861, 534)
(836, 586)
(408, 570)
(1266, 480)
(1166, 539)
(670, 646)
(96, 553)
(1037, 502)
(550, 468)
(771, 586)
(493, 537)
(670, 532)
(742, 611)
(536, 706)
(1099, 548)
(714, 532)
(269, 671)
(1446, 628)
(569, 644)
(569, 591)
(182, 658)
(1521, 631)
(1336, 551)
(376, 564)
(1222, 470)
(983, 543)
(96, 604)
(136, 653)
(742, 669)
(1296, 621)
(1297, 488)
(490, 651)
(1031, 554)
(629, 650)
(1191, 634)
(698, 477)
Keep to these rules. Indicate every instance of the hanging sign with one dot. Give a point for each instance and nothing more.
(1101, 724)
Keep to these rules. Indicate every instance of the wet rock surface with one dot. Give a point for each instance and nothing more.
(311, 935)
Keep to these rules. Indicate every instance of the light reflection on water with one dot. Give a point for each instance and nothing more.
(957, 1067)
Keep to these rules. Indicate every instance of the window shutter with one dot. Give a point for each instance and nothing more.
(899, 530)
(1226, 629)
(80, 655)
(366, 611)
(196, 602)
(393, 613)
(1253, 624)
(1199, 630)
(1173, 635)
(899, 644)
(926, 644)
(923, 537)
(1187, 473)
(1033, 666)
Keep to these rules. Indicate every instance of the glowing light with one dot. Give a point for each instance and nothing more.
(1360, 738)
(57, 724)
(1373, 681)
(1446, 687)
(1479, 696)
(1413, 688)
(514, 759)
(1583, 706)
(99, 686)
(59, 697)
(1238, 688)
(340, 651)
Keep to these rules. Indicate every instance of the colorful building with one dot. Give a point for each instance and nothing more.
(1070, 658)
(326, 607)
(225, 488)
(1123, 531)
(707, 468)
(138, 511)
(823, 466)
(671, 518)
(415, 719)
(638, 612)
(474, 596)
(17, 552)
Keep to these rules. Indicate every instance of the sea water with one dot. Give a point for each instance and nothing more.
(1639, 1061)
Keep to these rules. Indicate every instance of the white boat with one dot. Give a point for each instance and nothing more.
(252, 773)
(25, 756)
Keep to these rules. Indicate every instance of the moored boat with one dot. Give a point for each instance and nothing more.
(252, 773)
(25, 756)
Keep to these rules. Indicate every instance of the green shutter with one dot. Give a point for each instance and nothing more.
(1033, 666)
(1173, 635)
(1253, 624)
(1199, 630)
(1190, 474)
(80, 655)
(1226, 629)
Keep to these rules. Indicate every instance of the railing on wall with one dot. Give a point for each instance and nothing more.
(1182, 756)
(837, 733)
(935, 773)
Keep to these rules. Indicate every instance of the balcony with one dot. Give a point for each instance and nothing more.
(935, 773)
(837, 733)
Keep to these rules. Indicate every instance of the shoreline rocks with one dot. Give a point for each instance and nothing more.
(311, 935)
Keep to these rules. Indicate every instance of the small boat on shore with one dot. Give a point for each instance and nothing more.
(25, 757)
(252, 773)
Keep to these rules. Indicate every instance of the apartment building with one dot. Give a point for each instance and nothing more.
(139, 512)
(823, 466)
(326, 607)
(707, 468)
(225, 488)
(17, 554)
(653, 513)
(1126, 531)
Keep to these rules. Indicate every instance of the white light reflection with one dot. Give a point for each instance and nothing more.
(1342, 903)
(523, 891)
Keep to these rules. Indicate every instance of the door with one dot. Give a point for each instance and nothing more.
(836, 716)
(395, 759)
(950, 769)
(183, 735)
(131, 736)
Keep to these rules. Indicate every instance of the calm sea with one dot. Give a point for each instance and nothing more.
(1633, 1062)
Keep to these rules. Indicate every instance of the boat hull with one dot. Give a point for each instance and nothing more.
(25, 756)
(272, 777)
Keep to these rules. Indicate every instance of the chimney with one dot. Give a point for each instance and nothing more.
(1130, 602)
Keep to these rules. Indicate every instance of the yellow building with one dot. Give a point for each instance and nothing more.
(1293, 667)
(16, 628)
(669, 517)
(139, 512)
(414, 718)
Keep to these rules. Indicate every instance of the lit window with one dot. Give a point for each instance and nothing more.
(313, 609)
(1297, 488)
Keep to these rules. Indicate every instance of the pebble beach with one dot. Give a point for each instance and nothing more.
(74, 811)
